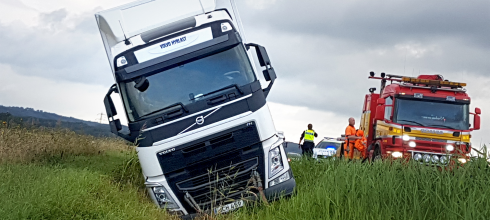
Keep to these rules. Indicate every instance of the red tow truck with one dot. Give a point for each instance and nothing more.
(424, 118)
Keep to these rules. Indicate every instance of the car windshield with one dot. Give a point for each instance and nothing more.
(432, 114)
(327, 144)
(291, 147)
(188, 82)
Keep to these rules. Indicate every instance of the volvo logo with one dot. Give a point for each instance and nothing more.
(431, 131)
(167, 151)
(200, 120)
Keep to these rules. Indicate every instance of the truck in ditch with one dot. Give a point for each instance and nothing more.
(194, 104)
(424, 118)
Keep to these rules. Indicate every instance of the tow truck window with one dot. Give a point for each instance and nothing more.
(188, 82)
(432, 114)
(388, 108)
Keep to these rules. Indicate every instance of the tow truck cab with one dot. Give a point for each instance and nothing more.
(425, 118)
(194, 104)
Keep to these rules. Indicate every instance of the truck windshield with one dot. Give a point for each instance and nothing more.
(432, 114)
(188, 82)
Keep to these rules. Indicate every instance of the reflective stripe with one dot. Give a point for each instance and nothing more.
(309, 135)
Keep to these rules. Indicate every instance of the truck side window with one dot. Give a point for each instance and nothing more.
(388, 108)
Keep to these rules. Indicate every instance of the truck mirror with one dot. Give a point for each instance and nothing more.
(476, 122)
(380, 113)
(381, 101)
(263, 56)
(115, 126)
(142, 84)
(109, 105)
(269, 74)
(477, 111)
(110, 109)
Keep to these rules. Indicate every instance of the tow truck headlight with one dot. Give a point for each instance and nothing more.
(225, 27)
(443, 159)
(449, 147)
(426, 158)
(412, 144)
(462, 160)
(435, 159)
(417, 157)
(405, 137)
(163, 198)
(280, 179)
(397, 154)
(275, 161)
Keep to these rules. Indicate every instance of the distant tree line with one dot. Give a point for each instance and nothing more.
(99, 130)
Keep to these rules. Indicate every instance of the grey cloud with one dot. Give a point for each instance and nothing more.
(323, 50)
(53, 17)
(376, 22)
(62, 47)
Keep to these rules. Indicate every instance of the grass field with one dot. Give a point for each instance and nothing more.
(81, 177)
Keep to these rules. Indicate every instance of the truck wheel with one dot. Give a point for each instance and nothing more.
(376, 154)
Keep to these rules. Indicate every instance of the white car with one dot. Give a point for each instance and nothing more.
(328, 147)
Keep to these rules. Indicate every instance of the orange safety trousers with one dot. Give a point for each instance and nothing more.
(349, 144)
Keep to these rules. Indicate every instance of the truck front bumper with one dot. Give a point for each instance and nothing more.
(284, 189)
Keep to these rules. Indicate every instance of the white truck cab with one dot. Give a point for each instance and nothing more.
(194, 104)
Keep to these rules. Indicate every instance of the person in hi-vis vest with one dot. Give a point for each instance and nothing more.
(309, 142)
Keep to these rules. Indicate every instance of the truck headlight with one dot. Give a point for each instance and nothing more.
(163, 198)
(435, 159)
(397, 154)
(275, 161)
(426, 158)
(406, 138)
(280, 179)
(417, 157)
(443, 159)
(412, 144)
(449, 147)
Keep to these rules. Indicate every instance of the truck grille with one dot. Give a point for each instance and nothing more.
(220, 186)
(431, 139)
(215, 170)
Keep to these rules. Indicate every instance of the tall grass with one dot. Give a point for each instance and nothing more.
(22, 145)
(387, 190)
(56, 174)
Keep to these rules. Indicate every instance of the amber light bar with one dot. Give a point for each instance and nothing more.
(432, 82)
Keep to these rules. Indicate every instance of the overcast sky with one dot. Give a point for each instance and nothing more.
(52, 56)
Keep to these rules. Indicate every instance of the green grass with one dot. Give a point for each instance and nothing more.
(341, 190)
(78, 187)
(80, 177)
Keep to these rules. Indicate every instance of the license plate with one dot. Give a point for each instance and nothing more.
(229, 207)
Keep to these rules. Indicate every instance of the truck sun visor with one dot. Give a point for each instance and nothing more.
(168, 29)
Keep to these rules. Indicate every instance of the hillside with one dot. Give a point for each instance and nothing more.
(30, 112)
(31, 118)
